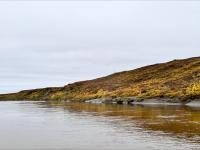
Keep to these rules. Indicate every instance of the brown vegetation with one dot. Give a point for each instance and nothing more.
(176, 79)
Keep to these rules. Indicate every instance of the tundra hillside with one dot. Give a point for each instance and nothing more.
(178, 79)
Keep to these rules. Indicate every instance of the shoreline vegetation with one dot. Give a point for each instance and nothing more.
(177, 81)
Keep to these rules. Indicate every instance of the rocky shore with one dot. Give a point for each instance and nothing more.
(152, 101)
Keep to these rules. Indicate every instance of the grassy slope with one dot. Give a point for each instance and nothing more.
(175, 79)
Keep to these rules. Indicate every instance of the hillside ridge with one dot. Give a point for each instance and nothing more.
(177, 79)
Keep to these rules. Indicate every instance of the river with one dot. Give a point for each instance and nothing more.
(74, 126)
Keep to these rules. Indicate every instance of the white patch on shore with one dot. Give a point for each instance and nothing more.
(194, 103)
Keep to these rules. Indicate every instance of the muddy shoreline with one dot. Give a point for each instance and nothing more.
(128, 101)
(152, 101)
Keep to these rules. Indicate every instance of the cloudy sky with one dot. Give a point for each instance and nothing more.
(49, 43)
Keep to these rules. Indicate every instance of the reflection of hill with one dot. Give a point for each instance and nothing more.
(178, 120)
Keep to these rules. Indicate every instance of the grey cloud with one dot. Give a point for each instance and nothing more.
(54, 43)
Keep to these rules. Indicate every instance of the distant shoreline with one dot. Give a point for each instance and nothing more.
(177, 81)
(163, 101)
(127, 101)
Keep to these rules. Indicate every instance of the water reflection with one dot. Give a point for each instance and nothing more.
(179, 121)
(53, 125)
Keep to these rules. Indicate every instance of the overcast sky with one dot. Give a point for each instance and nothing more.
(54, 43)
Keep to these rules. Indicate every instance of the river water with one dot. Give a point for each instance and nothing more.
(74, 126)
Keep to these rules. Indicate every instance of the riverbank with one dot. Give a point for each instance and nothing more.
(177, 81)
(134, 100)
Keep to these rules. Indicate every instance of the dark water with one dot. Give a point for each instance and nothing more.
(42, 125)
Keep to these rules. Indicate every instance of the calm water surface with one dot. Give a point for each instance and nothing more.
(48, 125)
